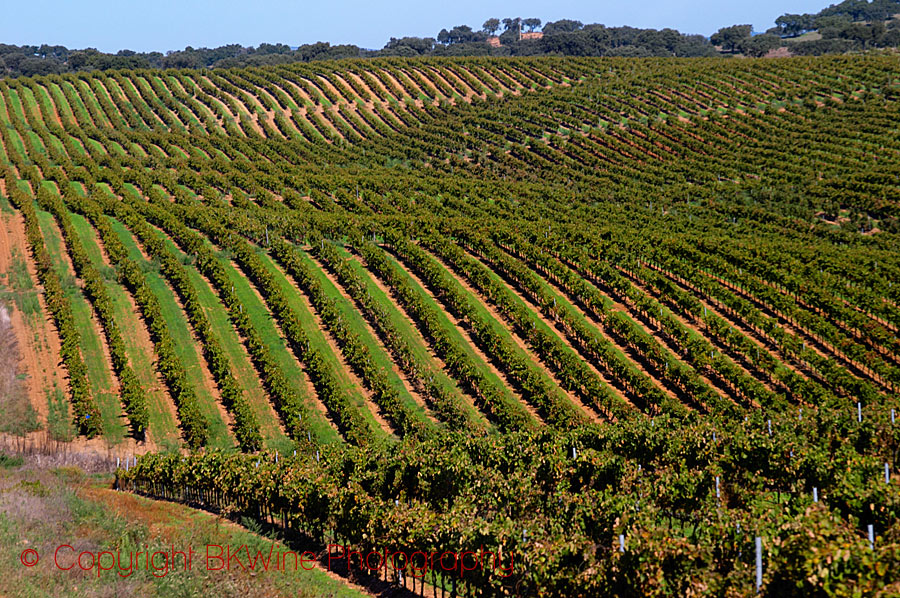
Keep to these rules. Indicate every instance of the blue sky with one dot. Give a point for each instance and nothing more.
(111, 25)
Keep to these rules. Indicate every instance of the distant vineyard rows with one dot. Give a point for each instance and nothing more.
(523, 303)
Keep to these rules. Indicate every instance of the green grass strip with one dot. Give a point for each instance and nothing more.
(99, 369)
(357, 324)
(185, 344)
(413, 338)
(278, 348)
(241, 366)
(318, 341)
(163, 429)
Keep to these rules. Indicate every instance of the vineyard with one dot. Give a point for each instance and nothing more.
(629, 322)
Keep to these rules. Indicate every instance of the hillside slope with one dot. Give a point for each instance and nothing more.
(595, 280)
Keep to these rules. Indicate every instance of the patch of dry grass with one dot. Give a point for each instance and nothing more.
(19, 416)
(42, 509)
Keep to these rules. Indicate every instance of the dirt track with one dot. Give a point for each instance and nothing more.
(38, 341)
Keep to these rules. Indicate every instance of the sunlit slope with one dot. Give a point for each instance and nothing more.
(367, 250)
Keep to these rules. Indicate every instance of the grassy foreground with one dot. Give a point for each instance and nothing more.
(43, 509)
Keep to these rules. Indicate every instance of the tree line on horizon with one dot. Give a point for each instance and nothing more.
(851, 25)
